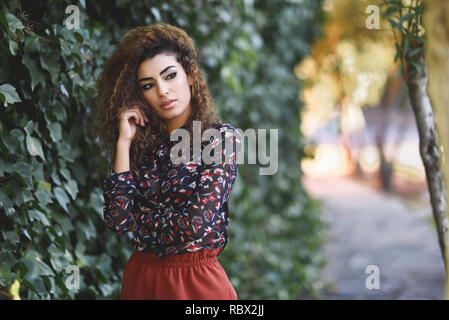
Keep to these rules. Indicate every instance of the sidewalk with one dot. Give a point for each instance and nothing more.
(369, 227)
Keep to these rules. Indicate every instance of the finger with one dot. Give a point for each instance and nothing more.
(140, 116)
(137, 114)
(132, 114)
(128, 114)
(138, 119)
(141, 120)
(145, 116)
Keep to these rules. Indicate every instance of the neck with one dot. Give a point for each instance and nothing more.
(179, 121)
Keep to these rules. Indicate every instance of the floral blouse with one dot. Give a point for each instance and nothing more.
(172, 209)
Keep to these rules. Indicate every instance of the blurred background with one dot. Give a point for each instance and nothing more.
(363, 161)
(350, 190)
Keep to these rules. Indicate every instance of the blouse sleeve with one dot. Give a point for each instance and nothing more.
(118, 201)
(202, 212)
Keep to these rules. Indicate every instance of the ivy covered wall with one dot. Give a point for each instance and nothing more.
(51, 169)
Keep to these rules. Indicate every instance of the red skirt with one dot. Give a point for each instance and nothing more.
(190, 276)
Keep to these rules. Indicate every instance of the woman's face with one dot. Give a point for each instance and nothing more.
(163, 79)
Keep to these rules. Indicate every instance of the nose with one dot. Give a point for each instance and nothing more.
(162, 89)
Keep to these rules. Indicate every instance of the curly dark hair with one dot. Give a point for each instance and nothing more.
(118, 89)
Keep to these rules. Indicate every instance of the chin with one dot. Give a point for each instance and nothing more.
(169, 114)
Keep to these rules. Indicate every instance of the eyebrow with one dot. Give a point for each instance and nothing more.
(150, 78)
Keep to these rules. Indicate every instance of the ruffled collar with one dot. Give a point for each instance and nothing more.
(166, 134)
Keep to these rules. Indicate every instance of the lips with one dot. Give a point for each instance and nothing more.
(167, 103)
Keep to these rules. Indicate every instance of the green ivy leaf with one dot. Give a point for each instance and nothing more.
(95, 201)
(5, 202)
(15, 289)
(14, 140)
(55, 131)
(68, 152)
(62, 197)
(29, 128)
(55, 177)
(22, 196)
(11, 236)
(36, 215)
(38, 170)
(43, 196)
(24, 170)
(5, 274)
(414, 52)
(37, 77)
(7, 258)
(59, 259)
(72, 188)
(32, 44)
(66, 225)
(65, 173)
(13, 47)
(65, 47)
(80, 251)
(35, 267)
(3, 19)
(50, 63)
(390, 10)
(8, 94)
(418, 67)
(14, 23)
(406, 17)
(3, 166)
(25, 233)
(44, 185)
(34, 147)
(59, 112)
(64, 90)
(395, 24)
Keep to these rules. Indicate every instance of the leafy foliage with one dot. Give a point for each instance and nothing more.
(405, 18)
(51, 185)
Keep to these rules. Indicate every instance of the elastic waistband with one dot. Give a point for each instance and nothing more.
(187, 259)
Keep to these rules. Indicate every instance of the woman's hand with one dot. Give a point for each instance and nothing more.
(128, 127)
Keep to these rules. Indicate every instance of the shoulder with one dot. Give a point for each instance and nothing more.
(223, 126)
(226, 129)
(222, 131)
(228, 133)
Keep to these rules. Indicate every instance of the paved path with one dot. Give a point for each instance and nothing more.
(369, 227)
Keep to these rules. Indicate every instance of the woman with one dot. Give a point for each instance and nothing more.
(178, 213)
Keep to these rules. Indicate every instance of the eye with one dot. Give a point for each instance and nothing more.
(147, 86)
(150, 85)
(171, 75)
